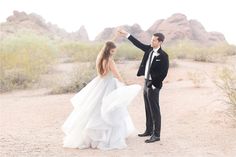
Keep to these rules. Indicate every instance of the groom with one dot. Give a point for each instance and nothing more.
(154, 67)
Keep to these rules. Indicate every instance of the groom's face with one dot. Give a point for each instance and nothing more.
(155, 43)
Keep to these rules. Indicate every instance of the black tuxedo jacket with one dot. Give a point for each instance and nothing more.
(159, 66)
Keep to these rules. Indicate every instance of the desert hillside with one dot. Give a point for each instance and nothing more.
(176, 27)
(23, 22)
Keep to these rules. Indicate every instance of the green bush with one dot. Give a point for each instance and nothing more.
(23, 58)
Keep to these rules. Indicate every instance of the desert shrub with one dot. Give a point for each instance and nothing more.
(227, 83)
(197, 78)
(186, 49)
(80, 51)
(23, 58)
(127, 51)
(80, 77)
(83, 52)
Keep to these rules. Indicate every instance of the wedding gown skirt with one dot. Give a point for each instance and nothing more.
(100, 118)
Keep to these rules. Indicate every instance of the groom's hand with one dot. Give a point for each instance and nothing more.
(122, 32)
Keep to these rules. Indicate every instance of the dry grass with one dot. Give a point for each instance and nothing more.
(23, 58)
(227, 83)
(80, 52)
(186, 49)
(127, 51)
(80, 77)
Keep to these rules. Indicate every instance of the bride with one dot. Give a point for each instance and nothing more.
(100, 118)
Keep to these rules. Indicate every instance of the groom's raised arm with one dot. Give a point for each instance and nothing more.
(135, 41)
(138, 44)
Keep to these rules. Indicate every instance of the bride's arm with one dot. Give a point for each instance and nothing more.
(114, 70)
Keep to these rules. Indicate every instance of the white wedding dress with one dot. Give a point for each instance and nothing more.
(100, 118)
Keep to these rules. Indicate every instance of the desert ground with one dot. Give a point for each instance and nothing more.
(195, 120)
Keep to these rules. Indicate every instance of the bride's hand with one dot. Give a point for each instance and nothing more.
(126, 83)
(122, 32)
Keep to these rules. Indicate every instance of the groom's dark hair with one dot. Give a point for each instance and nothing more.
(160, 36)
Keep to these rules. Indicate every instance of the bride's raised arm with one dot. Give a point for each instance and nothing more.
(114, 70)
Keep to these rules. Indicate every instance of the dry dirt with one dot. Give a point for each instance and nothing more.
(194, 120)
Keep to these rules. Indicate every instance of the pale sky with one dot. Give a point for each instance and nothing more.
(95, 15)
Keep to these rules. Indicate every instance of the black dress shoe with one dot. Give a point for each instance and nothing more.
(145, 134)
(152, 139)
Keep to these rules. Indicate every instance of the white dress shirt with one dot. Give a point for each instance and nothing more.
(127, 35)
(155, 53)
